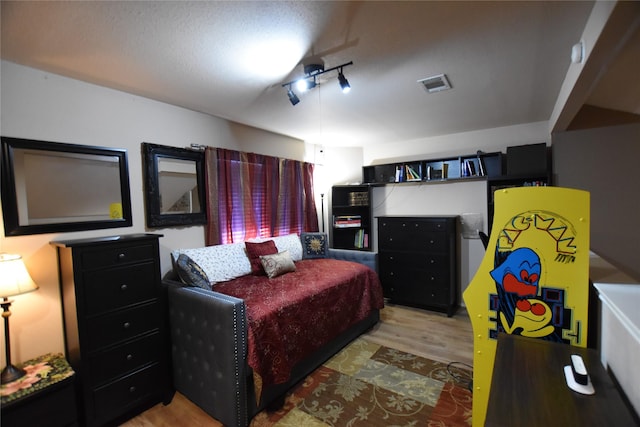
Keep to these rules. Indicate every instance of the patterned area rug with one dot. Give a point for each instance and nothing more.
(367, 384)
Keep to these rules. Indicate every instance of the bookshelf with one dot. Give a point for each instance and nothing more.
(471, 166)
(351, 217)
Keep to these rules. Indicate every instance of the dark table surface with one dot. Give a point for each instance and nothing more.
(528, 388)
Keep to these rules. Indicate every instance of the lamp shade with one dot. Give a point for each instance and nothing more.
(14, 277)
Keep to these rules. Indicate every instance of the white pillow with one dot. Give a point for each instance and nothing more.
(291, 243)
(219, 262)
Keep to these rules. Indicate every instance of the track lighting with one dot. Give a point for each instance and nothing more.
(344, 83)
(306, 84)
(292, 96)
(309, 81)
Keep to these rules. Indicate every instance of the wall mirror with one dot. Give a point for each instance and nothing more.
(174, 186)
(50, 187)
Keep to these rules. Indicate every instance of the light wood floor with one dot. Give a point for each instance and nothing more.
(420, 332)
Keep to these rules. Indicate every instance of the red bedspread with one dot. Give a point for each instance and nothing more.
(292, 315)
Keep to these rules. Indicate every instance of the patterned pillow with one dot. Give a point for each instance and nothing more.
(291, 243)
(220, 262)
(191, 274)
(314, 245)
(254, 250)
(277, 264)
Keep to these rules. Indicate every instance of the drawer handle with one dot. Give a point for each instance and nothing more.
(132, 389)
(121, 256)
(126, 325)
(129, 357)
(123, 287)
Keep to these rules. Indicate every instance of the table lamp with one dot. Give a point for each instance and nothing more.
(14, 280)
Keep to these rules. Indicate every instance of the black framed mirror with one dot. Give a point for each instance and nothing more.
(174, 186)
(50, 187)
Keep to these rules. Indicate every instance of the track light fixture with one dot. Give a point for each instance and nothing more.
(309, 81)
(344, 83)
(293, 98)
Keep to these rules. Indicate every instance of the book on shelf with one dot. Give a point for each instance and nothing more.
(469, 168)
(399, 174)
(361, 239)
(359, 198)
(412, 174)
(347, 221)
(481, 166)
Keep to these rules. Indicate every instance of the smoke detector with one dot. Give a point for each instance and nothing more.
(435, 83)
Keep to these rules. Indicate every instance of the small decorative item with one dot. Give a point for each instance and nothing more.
(41, 372)
(115, 210)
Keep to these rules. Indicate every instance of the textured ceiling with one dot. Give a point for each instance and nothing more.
(505, 60)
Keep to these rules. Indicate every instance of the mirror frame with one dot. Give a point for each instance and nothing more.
(12, 226)
(151, 153)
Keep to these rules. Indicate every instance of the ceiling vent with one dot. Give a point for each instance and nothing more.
(435, 83)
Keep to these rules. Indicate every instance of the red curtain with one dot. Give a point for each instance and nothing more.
(252, 195)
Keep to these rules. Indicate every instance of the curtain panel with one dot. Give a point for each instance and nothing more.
(252, 195)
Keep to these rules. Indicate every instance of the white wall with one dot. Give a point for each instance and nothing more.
(487, 140)
(39, 105)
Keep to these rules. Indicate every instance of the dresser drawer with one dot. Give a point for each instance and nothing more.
(421, 242)
(431, 295)
(122, 325)
(438, 277)
(401, 225)
(113, 288)
(113, 256)
(118, 397)
(108, 365)
(413, 260)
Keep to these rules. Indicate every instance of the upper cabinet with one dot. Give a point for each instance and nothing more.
(526, 166)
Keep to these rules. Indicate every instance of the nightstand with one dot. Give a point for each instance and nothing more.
(44, 397)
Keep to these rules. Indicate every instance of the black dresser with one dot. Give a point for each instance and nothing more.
(115, 325)
(418, 261)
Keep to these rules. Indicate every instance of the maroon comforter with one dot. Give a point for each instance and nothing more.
(292, 315)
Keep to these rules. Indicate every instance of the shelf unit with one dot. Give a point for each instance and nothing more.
(435, 170)
(351, 217)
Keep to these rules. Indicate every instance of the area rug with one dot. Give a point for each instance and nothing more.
(367, 384)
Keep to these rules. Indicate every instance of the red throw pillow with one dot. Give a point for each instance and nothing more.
(255, 250)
